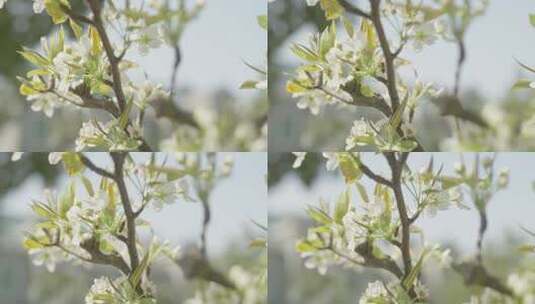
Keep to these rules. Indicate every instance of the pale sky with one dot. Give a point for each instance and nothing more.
(508, 210)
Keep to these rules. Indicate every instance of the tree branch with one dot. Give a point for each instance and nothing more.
(97, 257)
(118, 160)
(354, 9)
(451, 106)
(205, 222)
(387, 263)
(91, 166)
(178, 59)
(397, 167)
(371, 175)
(387, 53)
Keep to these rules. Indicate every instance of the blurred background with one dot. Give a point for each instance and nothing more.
(236, 202)
(214, 49)
(291, 191)
(493, 42)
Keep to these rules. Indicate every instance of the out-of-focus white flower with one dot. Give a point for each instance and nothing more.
(360, 129)
(54, 157)
(228, 164)
(148, 37)
(299, 158)
(375, 293)
(422, 35)
(2, 3)
(503, 178)
(332, 160)
(45, 102)
(308, 101)
(16, 156)
(38, 6)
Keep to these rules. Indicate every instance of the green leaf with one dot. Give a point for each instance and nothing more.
(76, 29)
(327, 39)
(42, 210)
(125, 116)
(34, 57)
(66, 201)
(304, 246)
(362, 191)
(96, 46)
(367, 28)
(135, 278)
(57, 44)
(342, 206)
(26, 90)
(532, 19)
(249, 84)
(348, 26)
(349, 167)
(293, 87)
(415, 271)
(332, 9)
(526, 248)
(171, 173)
(523, 84)
(262, 243)
(406, 145)
(30, 244)
(318, 215)
(38, 72)
(72, 163)
(55, 11)
(450, 182)
(111, 207)
(304, 52)
(263, 21)
(88, 185)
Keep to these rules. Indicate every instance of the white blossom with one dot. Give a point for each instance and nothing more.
(299, 158)
(38, 6)
(16, 156)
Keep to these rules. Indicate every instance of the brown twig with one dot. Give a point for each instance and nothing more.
(397, 167)
(372, 175)
(387, 53)
(118, 160)
(354, 9)
(91, 166)
(205, 222)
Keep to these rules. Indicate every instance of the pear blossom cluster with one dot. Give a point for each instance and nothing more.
(93, 70)
(352, 71)
(356, 234)
(85, 224)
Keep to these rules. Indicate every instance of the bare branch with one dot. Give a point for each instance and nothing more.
(396, 167)
(375, 177)
(91, 166)
(118, 160)
(354, 9)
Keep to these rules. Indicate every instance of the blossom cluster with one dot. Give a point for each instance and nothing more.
(355, 71)
(366, 233)
(91, 229)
